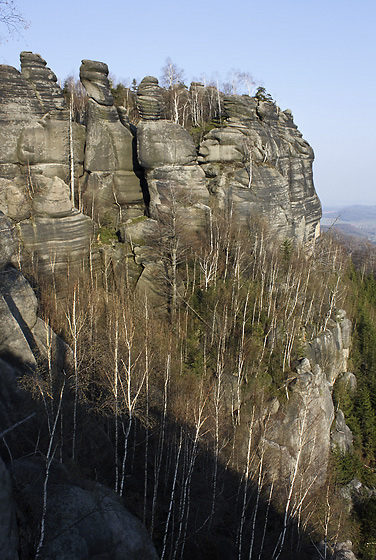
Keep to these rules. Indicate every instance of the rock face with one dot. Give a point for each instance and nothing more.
(57, 235)
(149, 99)
(111, 188)
(83, 520)
(341, 436)
(343, 551)
(300, 433)
(167, 153)
(297, 443)
(35, 123)
(259, 164)
(35, 162)
(23, 336)
(331, 348)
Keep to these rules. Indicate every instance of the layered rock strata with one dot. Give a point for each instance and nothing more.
(260, 164)
(38, 143)
(167, 153)
(57, 237)
(34, 119)
(111, 189)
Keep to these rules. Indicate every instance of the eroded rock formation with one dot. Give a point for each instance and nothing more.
(298, 435)
(111, 189)
(35, 165)
(259, 164)
(167, 153)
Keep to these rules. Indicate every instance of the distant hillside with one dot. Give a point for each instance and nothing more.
(357, 220)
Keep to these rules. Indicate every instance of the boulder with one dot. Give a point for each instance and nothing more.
(15, 199)
(162, 143)
(94, 77)
(84, 520)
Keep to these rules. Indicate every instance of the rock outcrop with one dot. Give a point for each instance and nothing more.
(259, 164)
(330, 350)
(35, 163)
(111, 189)
(83, 520)
(167, 153)
(301, 432)
(57, 236)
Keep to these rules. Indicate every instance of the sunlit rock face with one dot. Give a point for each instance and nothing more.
(34, 131)
(300, 432)
(168, 155)
(58, 235)
(111, 189)
(37, 144)
(260, 164)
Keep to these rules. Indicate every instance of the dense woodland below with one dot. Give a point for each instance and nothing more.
(165, 408)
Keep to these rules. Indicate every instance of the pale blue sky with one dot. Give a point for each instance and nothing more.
(316, 58)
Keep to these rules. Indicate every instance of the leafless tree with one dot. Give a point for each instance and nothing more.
(11, 20)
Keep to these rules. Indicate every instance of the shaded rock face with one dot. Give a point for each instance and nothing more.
(343, 551)
(24, 336)
(111, 189)
(260, 164)
(341, 436)
(83, 520)
(297, 443)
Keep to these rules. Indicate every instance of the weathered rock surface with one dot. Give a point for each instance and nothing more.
(167, 153)
(331, 348)
(83, 520)
(341, 436)
(300, 433)
(297, 442)
(149, 99)
(43, 80)
(260, 164)
(35, 160)
(57, 235)
(111, 189)
(343, 551)
(34, 130)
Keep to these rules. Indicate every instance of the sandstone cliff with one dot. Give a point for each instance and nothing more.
(131, 201)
